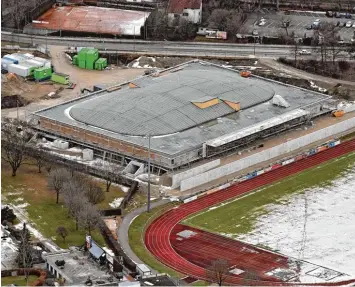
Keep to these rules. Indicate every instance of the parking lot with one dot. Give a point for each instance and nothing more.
(299, 20)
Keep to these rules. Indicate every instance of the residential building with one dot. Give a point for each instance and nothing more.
(191, 10)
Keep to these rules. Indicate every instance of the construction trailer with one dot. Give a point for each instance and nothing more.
(60, 78)
(42, 74)
(22, 70)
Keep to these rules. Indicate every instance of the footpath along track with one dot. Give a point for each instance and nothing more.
(158, 234)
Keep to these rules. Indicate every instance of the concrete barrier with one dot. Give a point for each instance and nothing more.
(265, 155)
(177, 178)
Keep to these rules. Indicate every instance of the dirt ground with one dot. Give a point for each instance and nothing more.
(28, 91)
(82, 79)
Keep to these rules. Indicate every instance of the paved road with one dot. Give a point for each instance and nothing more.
(161, 47)
(123, 230)
(302, 74)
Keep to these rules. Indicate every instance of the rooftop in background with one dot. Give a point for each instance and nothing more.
(92, 20)
(178, 6)
(169, 97)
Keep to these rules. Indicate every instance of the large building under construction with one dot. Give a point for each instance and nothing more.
(190, 112)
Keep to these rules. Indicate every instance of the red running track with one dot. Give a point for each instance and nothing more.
(158, 233)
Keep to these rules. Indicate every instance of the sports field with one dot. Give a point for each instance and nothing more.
(240, 215)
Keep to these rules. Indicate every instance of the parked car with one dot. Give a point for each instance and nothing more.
(262, 22)
(348, 16)
(354, 25)
(348, 24)
(255, 33)
(329, 13)
(304, 52)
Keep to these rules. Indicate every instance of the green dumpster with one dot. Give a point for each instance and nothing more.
(75, 60)
(60, 78)
(41, 74)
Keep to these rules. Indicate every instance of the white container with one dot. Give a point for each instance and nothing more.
(19, 70)
(46, 63)
(20, 57)
(5, 63)
(30, 56)
(88, 154)
(33, 63)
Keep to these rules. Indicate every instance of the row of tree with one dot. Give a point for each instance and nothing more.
(19, 146)
(80, 195)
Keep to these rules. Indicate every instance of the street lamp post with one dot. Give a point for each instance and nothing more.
(148, 205)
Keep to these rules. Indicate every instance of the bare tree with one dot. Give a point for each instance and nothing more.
(89, 217)
(24, 257)
(218, 19)
(15, 137)
(110, 172)
(285, 23)
(234, 23)
(94, 192)
(56, 180)
(62, 232)
(218, 271)
(74, 199)
(251, 278)
(39, 156)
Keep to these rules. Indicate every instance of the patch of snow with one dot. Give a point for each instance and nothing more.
(314, 86)
(236, 271)
(116, 202)
(317, 226)
(23, 205)
(14, 193)
(19, 199)
(124, 188)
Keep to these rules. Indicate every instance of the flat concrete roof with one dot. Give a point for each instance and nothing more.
(78, 267)
(180, 142)
(92, 19)
(165, 104)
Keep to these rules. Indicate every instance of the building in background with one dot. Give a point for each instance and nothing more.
(191, 10)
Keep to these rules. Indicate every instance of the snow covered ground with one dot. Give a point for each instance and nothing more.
(317, 226)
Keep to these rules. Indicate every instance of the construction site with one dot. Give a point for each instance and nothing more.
(190, 116)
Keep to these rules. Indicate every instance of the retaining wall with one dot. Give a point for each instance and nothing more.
(265, 155)
(177, 178)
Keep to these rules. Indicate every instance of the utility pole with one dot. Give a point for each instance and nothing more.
(134, 38)
(148, 205)
(254, 44)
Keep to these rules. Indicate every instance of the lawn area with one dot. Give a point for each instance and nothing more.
(18, 280)
(135, 232)
(239, 216)
(30, 188)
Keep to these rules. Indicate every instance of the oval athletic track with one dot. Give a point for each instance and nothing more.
(158, 235)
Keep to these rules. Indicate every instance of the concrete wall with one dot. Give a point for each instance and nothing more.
(266, 155)
(177, 178)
